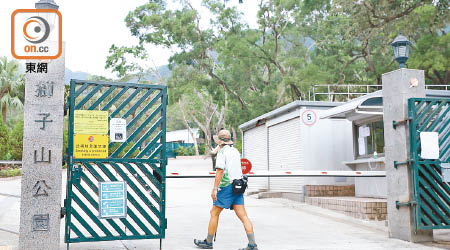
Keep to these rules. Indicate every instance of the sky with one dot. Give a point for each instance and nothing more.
(90, 27)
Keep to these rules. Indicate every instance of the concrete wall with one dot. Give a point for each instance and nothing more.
(370, 187)
(325, 145)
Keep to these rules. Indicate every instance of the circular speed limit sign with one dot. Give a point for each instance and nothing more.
(309, 117)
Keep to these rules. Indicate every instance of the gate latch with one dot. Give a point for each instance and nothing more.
(395, 123)
(405, 204)
(408, 162)
(76, 174)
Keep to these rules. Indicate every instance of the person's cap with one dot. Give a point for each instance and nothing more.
(224, 137)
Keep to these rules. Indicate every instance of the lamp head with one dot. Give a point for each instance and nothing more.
(46, 4)
(401, 46)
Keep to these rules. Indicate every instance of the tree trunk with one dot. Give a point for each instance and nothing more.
(4, 113)
(234, 135)
(188, 127)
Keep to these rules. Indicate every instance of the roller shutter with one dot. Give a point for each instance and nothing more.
(285, 155)
(255, 149)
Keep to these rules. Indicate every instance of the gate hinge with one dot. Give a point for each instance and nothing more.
(409, 162)
(405, 204)
(395, 123)
(63, 212)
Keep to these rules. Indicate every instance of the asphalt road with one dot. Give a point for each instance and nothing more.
(279, 224)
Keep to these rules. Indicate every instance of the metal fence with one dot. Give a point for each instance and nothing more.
(345, 92)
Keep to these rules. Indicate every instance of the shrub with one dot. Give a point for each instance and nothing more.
(16, 141)
(201, 149)
(4, 142)
(10, 172)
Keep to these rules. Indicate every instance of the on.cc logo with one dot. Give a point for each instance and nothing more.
(36, 29)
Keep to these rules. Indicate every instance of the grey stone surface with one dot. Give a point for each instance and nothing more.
(34, 115)
(40, 205)
(396, 92)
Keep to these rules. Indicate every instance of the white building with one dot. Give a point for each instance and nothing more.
(182, 135)
(293, 137)
(366, 115)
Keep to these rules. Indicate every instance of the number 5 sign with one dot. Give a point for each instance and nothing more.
(309, 117)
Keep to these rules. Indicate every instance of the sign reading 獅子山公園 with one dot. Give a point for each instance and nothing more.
(90, 146)
(112, 199)
(90, 122)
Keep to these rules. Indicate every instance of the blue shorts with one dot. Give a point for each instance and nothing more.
(226, 198)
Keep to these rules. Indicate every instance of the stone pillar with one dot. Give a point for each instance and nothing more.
(398, 87)
(40, 206)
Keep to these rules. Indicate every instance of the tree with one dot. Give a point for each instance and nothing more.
(250, 71)
(10, 83)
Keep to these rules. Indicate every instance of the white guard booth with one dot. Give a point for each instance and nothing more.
(293, 137)
(366, 116)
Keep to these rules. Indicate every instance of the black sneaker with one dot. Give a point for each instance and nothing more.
(203, 244)
(250, 247)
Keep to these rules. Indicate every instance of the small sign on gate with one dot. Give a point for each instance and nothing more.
(445, 171)
(90, 146)
(112, 199)
(118, 130)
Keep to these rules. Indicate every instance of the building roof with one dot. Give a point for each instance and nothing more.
(182, 135)
(369, 106)
(286, 109)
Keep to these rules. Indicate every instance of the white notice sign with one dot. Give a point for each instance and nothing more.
(364, 131)
(361, 146)
(118, 130)
(429, 143)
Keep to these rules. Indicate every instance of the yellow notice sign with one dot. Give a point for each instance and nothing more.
(90, 146)
(91, 122)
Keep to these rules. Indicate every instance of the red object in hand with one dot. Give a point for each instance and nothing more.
(246, 166)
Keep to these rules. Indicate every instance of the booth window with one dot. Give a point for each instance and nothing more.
(370, 138)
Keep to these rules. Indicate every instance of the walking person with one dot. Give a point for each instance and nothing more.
(228, 168)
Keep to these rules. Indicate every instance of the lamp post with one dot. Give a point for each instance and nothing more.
(401, 49)
(47, 4)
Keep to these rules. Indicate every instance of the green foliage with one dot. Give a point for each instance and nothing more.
(10, 172)
(184, 151)
(12, 90)
(124, 151)
(16, 141)
(4, 142)
(250, 71)
(65, 140)
(201, 149)
(238, 145)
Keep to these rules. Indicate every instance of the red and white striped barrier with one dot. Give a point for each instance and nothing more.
(212, 174)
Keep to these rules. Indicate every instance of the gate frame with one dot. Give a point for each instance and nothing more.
(415, 161)
(66, 210)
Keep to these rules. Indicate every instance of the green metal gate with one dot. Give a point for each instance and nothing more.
(431, 193)
(140, 162)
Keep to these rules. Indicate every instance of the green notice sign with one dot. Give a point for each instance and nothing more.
(112, 199)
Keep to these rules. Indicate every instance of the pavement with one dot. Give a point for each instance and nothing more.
(279, 224)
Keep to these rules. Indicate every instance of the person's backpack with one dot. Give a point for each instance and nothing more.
(239, 185)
